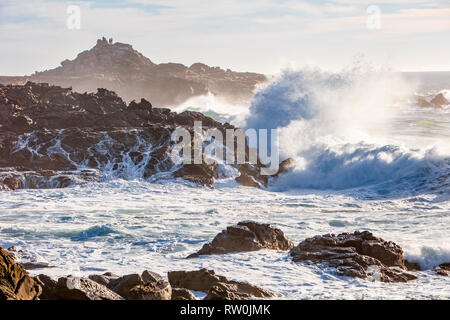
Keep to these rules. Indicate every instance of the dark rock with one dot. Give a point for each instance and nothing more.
(15, 284)
(443, 269)
(412, 266)
(159, 290)
(246, 236)
(182, 294)
(440, 100)
(70, 288)
(422, 102)
(48, 286)
(123, 285)
(359, 254)
(218, 287)
(12, 183)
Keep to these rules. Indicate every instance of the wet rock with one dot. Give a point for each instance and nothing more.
(202, 174)
(11, 183)
(104, 279)
(246, 236)
(15, 284)
(412, 266)
(158, 290)
(359, 254)
(247, 181)
(182, 294)
(217, 287)
(71, 288)
(48, 286)
(443, 269)
(123, 285)
(440, 100)
(422, 102)
(200, 280)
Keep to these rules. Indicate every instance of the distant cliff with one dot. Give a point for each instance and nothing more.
(117, 66)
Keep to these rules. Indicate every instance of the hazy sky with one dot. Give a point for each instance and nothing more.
(244, 35)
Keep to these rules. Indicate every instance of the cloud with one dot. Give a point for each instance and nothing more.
(254, 35)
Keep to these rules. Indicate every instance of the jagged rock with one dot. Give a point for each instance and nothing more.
(48, 286)
(207, 281)
(123, 285)
(359, 254)
(147, 286)
(246, 236)
(15, 284)
(117, 66)
(182, 294)
(104, 279)
(71, 288)
(200, 280)
(42, 155)
(159, 290)
(443, 269)
(422, 102)
(440, 100)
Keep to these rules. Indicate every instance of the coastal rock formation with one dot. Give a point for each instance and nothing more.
(246, 236)
(15, 284)
(438, 101)
(117, 66)
(359, 254)
(72, 288)
(147, 286)
(217, 287)
(53, 137)
(182, 294)
(443, 269)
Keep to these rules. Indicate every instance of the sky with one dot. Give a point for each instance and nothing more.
(243, 35)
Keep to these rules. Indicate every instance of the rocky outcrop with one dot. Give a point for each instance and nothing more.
(359, 254)
(117, 66)
(438, 101)
(72, 288)
(217, 287)
(443, 269)
(15, 283)
(54, 137)
(246, 236)
(182, 294)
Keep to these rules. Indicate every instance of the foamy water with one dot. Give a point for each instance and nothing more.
(364, 162)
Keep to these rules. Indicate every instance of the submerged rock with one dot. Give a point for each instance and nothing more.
(246, 236)
(15, 283)
(217, 287)
(359, 254)
(440, 100)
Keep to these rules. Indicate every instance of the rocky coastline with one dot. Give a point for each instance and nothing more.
(359, 254)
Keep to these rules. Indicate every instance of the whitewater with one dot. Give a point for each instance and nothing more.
(367, 158)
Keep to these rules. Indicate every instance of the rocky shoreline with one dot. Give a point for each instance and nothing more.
(358, 254)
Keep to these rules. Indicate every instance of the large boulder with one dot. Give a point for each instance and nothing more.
(15, 284)
(182, 294)
(246, 236)
(440, 100)
(217, 287)
(146, 286)
(359, 254)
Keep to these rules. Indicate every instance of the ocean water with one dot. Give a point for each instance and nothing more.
(367, 158)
